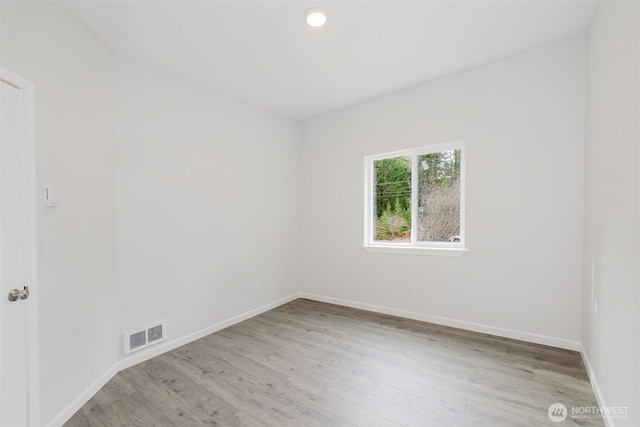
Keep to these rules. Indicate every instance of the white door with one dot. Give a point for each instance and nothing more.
(17, 258)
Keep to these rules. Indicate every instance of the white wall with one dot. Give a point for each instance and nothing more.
(523, 122)
(611, 298)
(207, 193)
(206, 203)
(73, 77)
(207, 199)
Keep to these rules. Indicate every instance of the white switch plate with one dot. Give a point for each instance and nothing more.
(50, 197)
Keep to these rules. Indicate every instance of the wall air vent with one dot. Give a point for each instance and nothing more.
(144, 337)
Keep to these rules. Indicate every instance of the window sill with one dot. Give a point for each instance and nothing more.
(414, 250)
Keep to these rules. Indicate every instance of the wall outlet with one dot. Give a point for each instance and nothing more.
(408, 288)
(79, 358)
(49, 247)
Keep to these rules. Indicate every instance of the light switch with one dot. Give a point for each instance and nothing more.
(50, 197)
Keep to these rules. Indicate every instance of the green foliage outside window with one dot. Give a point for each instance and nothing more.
(438, 197)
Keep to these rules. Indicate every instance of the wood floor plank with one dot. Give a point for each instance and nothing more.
(308, 388)
(308, 363)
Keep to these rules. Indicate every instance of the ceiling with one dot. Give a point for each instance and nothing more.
(262, 52)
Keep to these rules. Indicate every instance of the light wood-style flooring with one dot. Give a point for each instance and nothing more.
(308, 363)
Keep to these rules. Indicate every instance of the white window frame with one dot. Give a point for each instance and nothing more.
(414, 247)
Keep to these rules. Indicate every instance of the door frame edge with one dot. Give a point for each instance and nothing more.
(33, 362)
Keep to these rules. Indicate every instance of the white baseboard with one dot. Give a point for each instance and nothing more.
(608, 422)
(143, 355)
(79, 402)
(460, 324)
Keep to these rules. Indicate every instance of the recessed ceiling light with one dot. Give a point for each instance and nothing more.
(315, 17)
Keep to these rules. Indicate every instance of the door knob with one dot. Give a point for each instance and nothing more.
(16, 294)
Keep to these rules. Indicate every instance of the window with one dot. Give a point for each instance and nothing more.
(415, 200)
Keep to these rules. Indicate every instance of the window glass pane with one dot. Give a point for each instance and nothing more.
(392, 199)
(439, 197)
